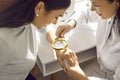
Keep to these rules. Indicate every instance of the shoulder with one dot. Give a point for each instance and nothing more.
(9, 32)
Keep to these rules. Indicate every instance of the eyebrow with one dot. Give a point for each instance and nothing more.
(95, 3)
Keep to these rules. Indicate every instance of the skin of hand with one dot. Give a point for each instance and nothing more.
(50, 36)
(64, 28)
(67, 55)
(61, 54)
(75, 72)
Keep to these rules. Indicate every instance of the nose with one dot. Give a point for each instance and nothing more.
(54, 21)
(92, 8)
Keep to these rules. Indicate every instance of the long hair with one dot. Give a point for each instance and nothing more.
(116, 21)
(14, 13)
(117, 18)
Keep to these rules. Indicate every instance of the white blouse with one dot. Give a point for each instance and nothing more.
(18, 50)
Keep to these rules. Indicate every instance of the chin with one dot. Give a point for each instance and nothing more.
(105, 17)
(102, 17)
(42, 27)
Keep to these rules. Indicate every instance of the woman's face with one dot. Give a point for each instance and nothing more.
(52, 16)
(104, 8)
(44, 18)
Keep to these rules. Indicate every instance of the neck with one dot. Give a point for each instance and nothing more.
(37, 24)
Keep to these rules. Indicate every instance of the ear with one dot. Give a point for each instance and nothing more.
(39, 8)
(116, 3)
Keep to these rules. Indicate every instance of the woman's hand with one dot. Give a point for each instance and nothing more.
(75, 72)
(64, 28)
(67, 55)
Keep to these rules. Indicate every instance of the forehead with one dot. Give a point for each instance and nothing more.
(98, 1)
(57, 12)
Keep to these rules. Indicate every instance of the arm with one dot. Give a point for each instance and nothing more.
(61, 54)
(75, 72)
(64, 28)
(82, 15)
(50, 36)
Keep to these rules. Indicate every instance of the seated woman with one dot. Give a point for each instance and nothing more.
(20, 21)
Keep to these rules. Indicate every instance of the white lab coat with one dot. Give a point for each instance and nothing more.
(108, 48)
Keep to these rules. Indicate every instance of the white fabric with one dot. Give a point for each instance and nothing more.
(108, 51)
(18, 51)
(96, 78)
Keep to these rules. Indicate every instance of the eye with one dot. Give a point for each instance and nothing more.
(96, 5)
(56, 17)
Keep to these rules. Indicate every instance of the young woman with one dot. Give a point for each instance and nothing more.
(107, 41)
(19, 36)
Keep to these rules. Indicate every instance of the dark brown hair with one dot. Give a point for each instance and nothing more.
(14, 13)
(116, 22)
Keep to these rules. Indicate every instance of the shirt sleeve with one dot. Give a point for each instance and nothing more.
(4, 51)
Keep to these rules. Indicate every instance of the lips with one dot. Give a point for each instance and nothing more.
(100, 14)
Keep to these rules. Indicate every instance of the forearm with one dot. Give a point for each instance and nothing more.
(77, 74)
(50, 36)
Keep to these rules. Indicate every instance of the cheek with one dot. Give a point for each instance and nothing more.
(109, 13)
(104, 12)
(49, 20)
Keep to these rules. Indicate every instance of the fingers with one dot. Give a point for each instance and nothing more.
(62, 30)
(75, 58)
(59, 30)
(62, 64)
(63, 33)
(69, 56)
(70, 59)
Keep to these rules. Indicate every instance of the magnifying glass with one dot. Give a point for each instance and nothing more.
(60, 44)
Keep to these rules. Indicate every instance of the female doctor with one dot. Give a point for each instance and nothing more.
(107, 41)
(19, 35)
